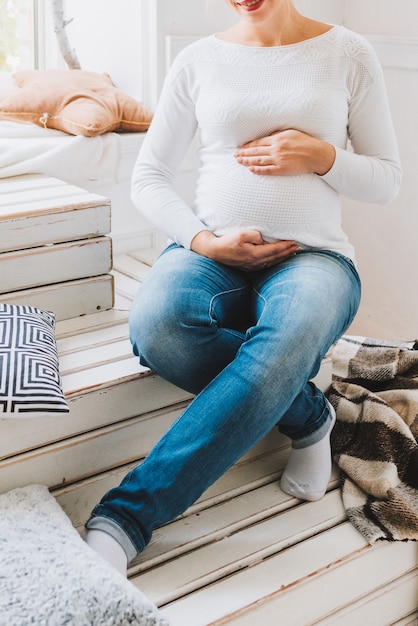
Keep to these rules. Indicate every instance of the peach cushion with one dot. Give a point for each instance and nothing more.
(74, 101)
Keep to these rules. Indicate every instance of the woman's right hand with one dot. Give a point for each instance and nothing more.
(245, 250)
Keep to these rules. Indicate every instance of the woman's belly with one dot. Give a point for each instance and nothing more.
(230, 197)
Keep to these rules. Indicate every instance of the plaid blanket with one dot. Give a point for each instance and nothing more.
(375, 438)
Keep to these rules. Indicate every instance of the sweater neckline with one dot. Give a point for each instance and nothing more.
(282, 47)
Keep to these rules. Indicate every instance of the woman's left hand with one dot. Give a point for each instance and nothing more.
(287, 153)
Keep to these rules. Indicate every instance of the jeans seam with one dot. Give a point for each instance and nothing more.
(218, 295)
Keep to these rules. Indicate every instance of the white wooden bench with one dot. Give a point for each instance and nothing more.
(245, 553)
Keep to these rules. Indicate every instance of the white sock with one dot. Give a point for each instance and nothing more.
(108, 548)
(308, 470)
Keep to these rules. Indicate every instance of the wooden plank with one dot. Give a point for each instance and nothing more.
(131, 267)
(317, 597)
(55, 264)
(102, 375)
(126, 286)
(384, 604)
(410, 620)
(68, 299)
(79, 498)
(101, 354)
(211, 521)
(55, 200)
(89, 338)
(28, 181)
(104, 319)
(90, 410)
(228, 596)
(24, 196)
(281, 526)
(147, 256)
(88, 454)
(38, 229)
(122, 302)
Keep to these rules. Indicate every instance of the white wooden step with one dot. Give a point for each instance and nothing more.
(68, 299)
(103, 382)
(57, 263)
(36, 210)
(410, 620)
(300, 585)
(262, 465)
(88, 454)
(54, 252)
(385, 603)
(226, 538)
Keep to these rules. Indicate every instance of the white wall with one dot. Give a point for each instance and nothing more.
(386, 237)
(331, 11)
(106, 35)
(382, 17)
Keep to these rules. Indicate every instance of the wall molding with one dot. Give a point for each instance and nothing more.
(396, 52)
(174, 44)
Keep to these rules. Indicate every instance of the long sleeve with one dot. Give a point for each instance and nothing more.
(331, 87)
(166, 143)
(371, 171)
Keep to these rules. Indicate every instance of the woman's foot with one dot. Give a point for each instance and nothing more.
(308, 469)
(108, 548)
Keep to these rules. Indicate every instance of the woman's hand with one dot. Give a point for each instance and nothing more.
(245, 250)
(287, 153)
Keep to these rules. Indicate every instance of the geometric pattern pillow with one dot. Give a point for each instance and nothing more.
(30, 383)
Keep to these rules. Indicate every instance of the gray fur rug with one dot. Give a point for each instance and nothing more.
(50, 577)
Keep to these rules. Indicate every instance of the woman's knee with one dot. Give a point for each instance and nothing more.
(152, 322)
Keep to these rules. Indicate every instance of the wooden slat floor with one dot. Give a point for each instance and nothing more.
(245, 553)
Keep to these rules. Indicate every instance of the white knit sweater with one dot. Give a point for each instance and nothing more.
(330, 87)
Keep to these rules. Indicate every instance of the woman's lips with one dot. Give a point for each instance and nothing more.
(252, 5)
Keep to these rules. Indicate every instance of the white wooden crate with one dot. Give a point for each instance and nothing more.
(56, 263)
(68, 299)
(36, 210)
(54, 252)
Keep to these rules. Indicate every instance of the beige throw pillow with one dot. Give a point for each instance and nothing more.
(74, 101)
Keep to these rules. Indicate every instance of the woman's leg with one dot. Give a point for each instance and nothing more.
(187, 318)
(301, 307)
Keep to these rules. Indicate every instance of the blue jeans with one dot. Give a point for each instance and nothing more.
(247, 344)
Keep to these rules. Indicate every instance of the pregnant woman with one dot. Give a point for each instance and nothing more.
(259, 279)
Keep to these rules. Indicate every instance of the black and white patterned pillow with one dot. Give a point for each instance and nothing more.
(30, 383)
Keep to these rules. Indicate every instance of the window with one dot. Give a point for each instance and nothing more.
(18, 35)
(105, 35)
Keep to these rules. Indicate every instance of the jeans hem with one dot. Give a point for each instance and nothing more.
(318, 434)
(113, 529)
